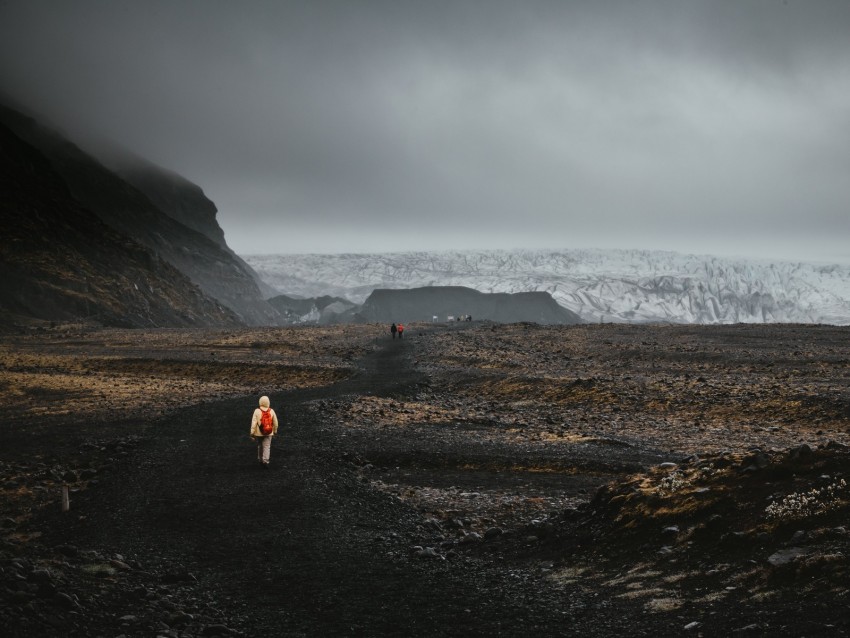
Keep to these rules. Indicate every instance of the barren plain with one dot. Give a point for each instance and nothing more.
(469, 480)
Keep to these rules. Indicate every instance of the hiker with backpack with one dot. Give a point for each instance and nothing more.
(263, 428)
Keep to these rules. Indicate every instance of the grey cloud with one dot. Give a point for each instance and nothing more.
(693, 126)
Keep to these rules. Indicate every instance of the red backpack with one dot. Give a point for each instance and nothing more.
(266, 422)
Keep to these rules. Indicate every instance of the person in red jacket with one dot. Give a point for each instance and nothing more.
(400, 328)
(263, 429)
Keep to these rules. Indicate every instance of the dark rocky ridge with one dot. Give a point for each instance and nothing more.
(59, 261)
(178, 198)
(173, 194)
(131, 212)
(422, 304)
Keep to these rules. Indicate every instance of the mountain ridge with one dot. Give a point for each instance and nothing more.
(60, 262)
(215, 269)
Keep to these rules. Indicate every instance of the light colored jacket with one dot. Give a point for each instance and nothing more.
(255, 422)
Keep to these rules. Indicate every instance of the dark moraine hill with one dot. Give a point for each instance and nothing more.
(423, 304)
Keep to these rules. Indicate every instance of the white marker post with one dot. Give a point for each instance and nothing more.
(66, 501)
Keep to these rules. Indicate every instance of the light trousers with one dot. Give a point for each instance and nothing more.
(264, 448)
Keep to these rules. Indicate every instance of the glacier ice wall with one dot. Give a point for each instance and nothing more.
(631, 286)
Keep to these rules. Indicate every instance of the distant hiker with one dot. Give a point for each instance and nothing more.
(393, 330)
(400, 331)
(263, 428)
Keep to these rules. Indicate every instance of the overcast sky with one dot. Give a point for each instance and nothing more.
(357, 126)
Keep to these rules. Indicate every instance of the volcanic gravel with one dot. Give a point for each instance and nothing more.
(469, 480)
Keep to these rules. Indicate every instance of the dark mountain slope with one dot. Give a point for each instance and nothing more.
(423, 304)
(129, 211)
(171, 193)
(59, 261)
(178, 198)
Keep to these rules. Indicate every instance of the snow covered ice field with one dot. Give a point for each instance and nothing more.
(632, 286)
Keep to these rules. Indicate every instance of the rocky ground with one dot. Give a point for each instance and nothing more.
(469, 480)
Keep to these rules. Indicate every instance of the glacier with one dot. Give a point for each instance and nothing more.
(625, 286)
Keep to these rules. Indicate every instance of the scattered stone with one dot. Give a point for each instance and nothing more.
(748, 629)
(798, 537)
(64, 600)
(432, 524)
(179, 576)
(88, 473)
(472, 537)
(41, 576)
(168, 605)
(755, 462)
(785, 556)
(140, 592)
(799, 453)
(762, 460)
(216, 630)
(180, 618)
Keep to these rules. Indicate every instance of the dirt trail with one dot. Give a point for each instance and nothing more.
(306, 547)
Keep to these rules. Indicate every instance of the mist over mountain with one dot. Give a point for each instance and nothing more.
(165, 220)
(598, 285)
(158, 209)
(60, 262)
(178, 198)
